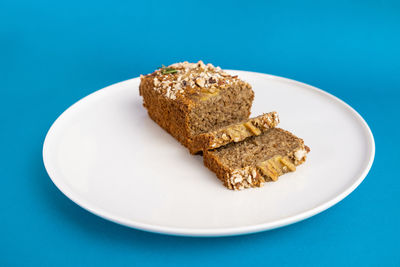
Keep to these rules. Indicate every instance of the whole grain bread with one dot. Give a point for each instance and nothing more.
(188, 99)
(257, 159)
(234, 132)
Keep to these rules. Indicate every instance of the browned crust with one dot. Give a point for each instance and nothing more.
(173, 115)
(234, 133)
(214, 164)
(257, 176)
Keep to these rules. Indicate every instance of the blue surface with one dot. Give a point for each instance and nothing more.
(54, 53)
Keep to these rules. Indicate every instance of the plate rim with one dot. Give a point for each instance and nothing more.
(211, 232)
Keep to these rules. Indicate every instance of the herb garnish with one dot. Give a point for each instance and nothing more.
(168, 70)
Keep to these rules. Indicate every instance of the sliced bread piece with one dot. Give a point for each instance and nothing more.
(234, 133)
(257, 159)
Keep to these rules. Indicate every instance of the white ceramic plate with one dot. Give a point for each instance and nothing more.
(109, 157)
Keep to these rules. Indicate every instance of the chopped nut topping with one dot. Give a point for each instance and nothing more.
(190, 78)
(244, 178)
(200, 82)
(300, 154)
(254, 173)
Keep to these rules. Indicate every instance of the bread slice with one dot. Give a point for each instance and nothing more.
(187, 99)
(234, 133)
(257, 159)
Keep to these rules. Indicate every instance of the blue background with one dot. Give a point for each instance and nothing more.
(53, 53)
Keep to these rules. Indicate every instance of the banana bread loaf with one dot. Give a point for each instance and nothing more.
(187, 99)
(257, 159)
(234, 133)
